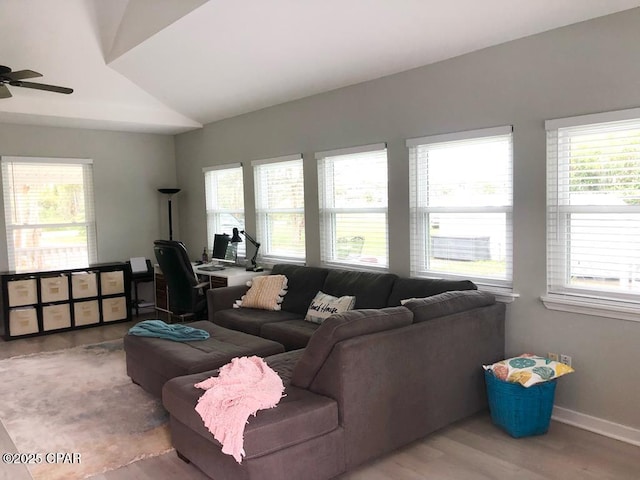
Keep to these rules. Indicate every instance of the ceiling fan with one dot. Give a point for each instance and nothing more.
(15, 79)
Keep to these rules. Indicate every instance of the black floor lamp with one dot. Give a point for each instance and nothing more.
(170, 192)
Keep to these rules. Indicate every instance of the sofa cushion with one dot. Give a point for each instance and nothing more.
(448, 303)
(303, 283)
(299, 416)
(404, 288)
(251, 320)
(341, 327)
(291, 333)
(370, 289)
(284, 363)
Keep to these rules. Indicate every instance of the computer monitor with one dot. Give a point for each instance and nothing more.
(223, 251)
(220, 243)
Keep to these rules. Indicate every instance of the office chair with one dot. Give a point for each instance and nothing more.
(186, 297)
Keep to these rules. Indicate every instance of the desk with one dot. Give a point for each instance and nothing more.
(228, 277)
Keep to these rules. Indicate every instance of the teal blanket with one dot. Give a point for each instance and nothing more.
(175, 332)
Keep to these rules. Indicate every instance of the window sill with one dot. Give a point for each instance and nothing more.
(503, 295)
(359, 267)
(593, 306)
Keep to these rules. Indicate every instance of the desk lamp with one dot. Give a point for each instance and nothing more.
(253, 267)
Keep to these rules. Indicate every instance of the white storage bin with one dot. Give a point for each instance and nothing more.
(55, 317)
(114, 309)
(23, 321)
(112, 283)
(84, 284)
(54, 289)
(86, 313)
(22, 292)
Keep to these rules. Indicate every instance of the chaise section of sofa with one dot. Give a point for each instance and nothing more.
(277, 441)
(301, 437)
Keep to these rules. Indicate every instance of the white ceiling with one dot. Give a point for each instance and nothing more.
(169, 66)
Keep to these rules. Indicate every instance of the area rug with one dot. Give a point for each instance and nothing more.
(80, 402)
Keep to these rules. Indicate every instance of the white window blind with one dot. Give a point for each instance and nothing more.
(49, 213)
(461, 206)
(593, 217)
(224, 195)
(353, 198)
(279, 197)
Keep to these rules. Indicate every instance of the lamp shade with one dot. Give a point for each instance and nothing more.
(236, 236)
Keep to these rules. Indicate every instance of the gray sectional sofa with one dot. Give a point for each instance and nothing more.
(367, 382)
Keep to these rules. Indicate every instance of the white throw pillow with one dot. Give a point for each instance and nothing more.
(323, 306)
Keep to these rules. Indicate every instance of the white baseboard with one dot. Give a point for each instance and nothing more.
(597, 425)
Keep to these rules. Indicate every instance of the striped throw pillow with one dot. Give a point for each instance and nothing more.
(266, 293)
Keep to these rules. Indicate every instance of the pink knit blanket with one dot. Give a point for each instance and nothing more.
(242, 387)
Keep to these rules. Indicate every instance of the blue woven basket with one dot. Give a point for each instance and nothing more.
(520, 411)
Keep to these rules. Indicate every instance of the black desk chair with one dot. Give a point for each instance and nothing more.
(140, 277)
(186, 295)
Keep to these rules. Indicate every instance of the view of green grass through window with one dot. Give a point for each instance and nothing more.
(599, 198)
(352, 186)
(48, 213)
(461, 205)
(279, 190)
(224, 198)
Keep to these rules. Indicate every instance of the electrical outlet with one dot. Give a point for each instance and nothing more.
(566, 359)
(553, 356)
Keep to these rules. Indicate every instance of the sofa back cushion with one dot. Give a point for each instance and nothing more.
(448, 303)
(370, 289)
(405, 288)
(302, 285)
(340, 327)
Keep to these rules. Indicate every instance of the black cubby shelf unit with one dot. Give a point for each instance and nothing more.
(39, 303)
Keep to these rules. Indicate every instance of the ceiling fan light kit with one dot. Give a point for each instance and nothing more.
(15, 79)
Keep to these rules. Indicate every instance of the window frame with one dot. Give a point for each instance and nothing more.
(328, 211)
(560, 294)
(89, 223)
(213, 214)
(420, 211)
(263, 234)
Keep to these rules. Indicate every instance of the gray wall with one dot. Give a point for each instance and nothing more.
(127, 167)
(584, 68)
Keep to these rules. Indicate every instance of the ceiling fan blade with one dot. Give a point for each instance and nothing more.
(4, 92)
(42, 86)
(21, 74)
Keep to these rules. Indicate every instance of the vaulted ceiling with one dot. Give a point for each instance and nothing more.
(170, 66)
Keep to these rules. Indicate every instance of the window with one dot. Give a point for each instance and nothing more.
(279, 190)
(224, 195)
(49, 214)
(461, 206)
(593, 209)
(352, 187)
